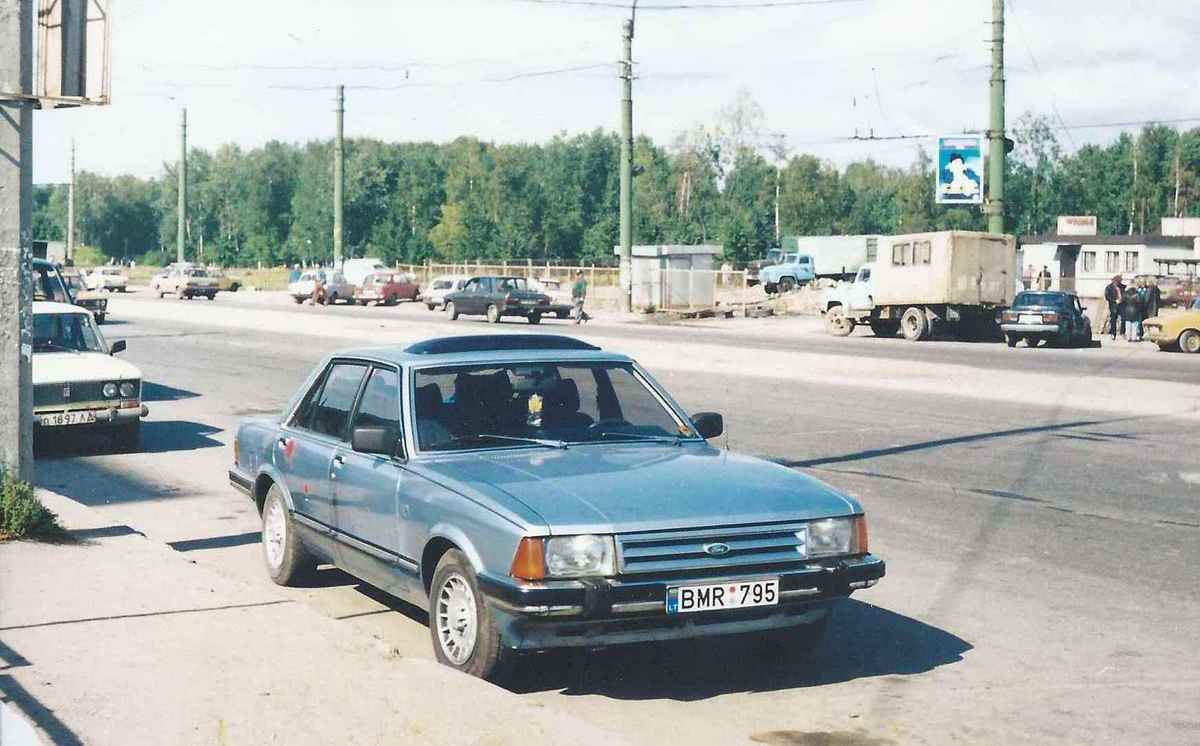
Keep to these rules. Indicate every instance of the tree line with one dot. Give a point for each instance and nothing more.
(557, 201)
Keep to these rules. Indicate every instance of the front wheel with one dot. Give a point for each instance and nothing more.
(465, 635)
(786, 285)
(431, 306)
(914, 324)
(535, 318)
(451, 310)
(288, 561)
(837, 323)
(1189, 341)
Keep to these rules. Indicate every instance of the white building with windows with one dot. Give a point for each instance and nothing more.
(1085, 264)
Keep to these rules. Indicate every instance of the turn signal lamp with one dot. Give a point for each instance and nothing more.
(860, 535)
(529, 563)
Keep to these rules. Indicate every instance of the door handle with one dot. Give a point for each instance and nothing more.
(283, 442)
(338, 462)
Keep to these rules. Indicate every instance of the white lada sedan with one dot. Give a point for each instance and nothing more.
(77, 383)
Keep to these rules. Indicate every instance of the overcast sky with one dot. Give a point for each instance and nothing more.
(250, 71)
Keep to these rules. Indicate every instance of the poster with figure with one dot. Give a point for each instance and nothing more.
(960, 170)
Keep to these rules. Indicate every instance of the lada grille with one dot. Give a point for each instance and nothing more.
(684, 552)
(51, 394)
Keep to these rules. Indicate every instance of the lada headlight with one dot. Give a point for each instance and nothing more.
(109, 391)
(128, 390)
(565, 557)
(834, 536)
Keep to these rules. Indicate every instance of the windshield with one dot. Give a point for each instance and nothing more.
(774, 256)
(195, 273)
(111, 272)
(66, 332)
(48, 286)
(1053, 300)
(523, 405)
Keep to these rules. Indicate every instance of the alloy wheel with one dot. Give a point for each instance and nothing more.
(455, 617)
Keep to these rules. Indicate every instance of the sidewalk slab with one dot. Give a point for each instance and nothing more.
(116, 639)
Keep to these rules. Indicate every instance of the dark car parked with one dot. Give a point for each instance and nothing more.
(496, 297)
(1053, 316)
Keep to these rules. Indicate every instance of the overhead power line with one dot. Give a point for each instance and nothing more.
(753, 5)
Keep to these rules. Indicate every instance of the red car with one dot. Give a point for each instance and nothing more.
(387, 288)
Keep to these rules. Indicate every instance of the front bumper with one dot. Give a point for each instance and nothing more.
(110, 416)
(612, 611)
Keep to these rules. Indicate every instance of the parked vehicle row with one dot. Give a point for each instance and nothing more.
(535, 492)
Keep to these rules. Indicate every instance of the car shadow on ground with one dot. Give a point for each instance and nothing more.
(152, 392)
(161, 436)
(862, 641)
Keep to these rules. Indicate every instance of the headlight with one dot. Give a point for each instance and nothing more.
(575, 556)
(109, 390)
(128, 390)
(834, 536)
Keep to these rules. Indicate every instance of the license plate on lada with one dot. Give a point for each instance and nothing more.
(1026, 318)
(738, 594)
(85, 417)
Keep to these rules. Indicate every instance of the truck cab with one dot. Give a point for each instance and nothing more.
(793, 270)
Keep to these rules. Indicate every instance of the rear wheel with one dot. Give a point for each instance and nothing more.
(465, 635)
(288, 561)
(535, 318)
(914, 324)
(837, 323)
(787, 285)
(1189, 341)
(493, 314)
(1012, 339)
(431, 306)
(451, 311)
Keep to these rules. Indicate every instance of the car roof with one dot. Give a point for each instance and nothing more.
(485, 348)
(54, 307)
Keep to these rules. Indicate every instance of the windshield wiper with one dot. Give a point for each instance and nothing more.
(54, 347)
(672, 439)
(547, 442)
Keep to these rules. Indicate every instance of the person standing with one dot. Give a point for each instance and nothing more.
(578, 296)
(1130, 313)
(1112, 298)
(1044, 279)
(1153, 297)
(1027, 277)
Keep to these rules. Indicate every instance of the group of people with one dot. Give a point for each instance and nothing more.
(1129, 306)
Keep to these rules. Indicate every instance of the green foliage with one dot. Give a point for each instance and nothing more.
(22, 515)
(558, 201)
(89, 256)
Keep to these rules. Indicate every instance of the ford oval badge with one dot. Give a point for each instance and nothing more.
(716, 549)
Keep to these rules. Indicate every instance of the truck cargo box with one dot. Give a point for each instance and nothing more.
(947, 267)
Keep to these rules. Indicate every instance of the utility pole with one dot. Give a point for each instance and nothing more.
(626, 74)
(995, 207)
(16, 240)
(71, 208)
(777, 206)
(181, 209)
(339, 155)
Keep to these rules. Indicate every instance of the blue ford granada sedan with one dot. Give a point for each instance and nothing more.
(535, 491)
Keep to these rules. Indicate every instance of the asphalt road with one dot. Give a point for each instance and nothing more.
(1041, 584)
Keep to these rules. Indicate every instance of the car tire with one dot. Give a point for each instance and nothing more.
(493, 314)
(180, 293)
(1012, 339)
(914, 324)
(210, 296)
(431, 306)
(770, 288)
(161, 295)
(451, 310)
(787, 285)
(535, 318)
(363, 303)
(298, 300)
(288, 560)
(461, 625)
(1189, 341)
(127, 438)
(331, 300)
(837, 323)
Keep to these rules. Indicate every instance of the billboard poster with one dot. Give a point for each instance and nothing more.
(960, 170)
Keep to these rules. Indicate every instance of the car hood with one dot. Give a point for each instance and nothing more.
(639, 487)
(65, 367)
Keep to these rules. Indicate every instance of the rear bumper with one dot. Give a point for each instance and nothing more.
(104, 417)
(598, 612)
(1031, 328)
(242, 482)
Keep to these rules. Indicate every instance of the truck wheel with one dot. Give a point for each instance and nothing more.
(914, 324)
(1189, 341)
(883, 328)
(493, 314)
(787, 285)
(837, 323)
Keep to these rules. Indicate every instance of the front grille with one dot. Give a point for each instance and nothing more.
(669, 552)
(51, 394)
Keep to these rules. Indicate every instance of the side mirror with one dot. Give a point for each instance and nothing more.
(115, 347)
(378, 440)
(708, 424)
